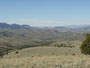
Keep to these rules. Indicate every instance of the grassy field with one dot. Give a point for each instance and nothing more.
(49, 50)
(44, 51)
(47, 57)
(69, 61)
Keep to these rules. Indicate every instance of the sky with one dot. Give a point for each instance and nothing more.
(45, 12)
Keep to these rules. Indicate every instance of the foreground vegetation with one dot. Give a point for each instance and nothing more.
(85, 47)
(69, 61)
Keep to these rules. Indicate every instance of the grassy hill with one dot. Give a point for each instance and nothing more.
(41, 49)
(47, 57)
(13, 39)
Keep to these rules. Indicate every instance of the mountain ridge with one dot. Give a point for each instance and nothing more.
(84, 28)
(14, 26)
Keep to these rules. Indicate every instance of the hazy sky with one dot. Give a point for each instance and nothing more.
(45, 12)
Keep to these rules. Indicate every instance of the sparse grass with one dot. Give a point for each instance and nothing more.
(47, 57)
(44, 51)
(68, 61)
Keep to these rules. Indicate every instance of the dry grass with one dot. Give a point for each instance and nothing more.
(79, 61)
(47, 57)
(44, 51)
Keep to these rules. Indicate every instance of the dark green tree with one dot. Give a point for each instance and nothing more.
(85, 46)
(1, 53)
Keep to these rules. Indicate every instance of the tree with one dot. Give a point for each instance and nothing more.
(5, 48)
(85, 46)
(1, 53)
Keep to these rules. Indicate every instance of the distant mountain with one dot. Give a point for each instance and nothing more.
(14, 26)
(26, 32)
(79, 28)
(4, 25)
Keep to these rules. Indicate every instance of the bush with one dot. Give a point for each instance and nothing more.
(85, 47)
(1, 53)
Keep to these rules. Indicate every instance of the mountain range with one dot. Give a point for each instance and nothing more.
(79, 28)
(14, 26)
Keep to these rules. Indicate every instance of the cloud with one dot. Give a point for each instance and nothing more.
(39, 22)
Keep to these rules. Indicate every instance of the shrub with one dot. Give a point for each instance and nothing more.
(85, 46)
(1, 53)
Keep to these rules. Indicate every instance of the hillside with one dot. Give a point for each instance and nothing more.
(17, 37)
(25, 44)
